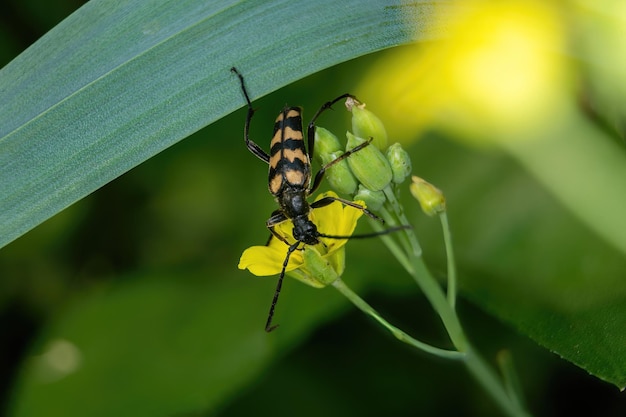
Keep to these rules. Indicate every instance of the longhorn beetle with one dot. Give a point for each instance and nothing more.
(290, 180)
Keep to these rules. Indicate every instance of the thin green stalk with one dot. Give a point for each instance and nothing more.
(432, 290)
(447, 238)
(475, 364)
(426, 281)
(415, 266)
(444, 304)
(511, 381)
(399, 211)
(485, 375)
(393, 247)
(399, 334)
(392, 220)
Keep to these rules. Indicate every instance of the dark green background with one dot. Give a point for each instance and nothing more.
(187, 214)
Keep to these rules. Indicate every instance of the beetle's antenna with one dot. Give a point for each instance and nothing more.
(279, 285)
(367, 235)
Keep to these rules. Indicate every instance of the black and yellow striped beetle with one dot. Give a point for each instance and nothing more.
(290, 179)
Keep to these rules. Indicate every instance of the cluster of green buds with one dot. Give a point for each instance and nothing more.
(370, 171)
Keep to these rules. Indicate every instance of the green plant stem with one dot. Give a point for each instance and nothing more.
(443, 306)
(433, 292)
(474, 363)
(399, 212)
(391, 244)
(391, 220)
(485, 375)
(447, 238)
(511, 381)
(399, 334)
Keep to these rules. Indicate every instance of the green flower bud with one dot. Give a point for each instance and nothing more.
(322, 269)
(369, 165)
(327, 149)
(325, 142)
(366, 124)
(400, 162)
(339, 175)
(374, 200)
(431, 199)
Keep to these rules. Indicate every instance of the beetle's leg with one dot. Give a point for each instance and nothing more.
(268, 324)
(320, 174)
(276, 218)
(328, 200)
(252, 146)
(311, 128)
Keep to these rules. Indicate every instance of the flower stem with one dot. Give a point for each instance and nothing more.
(399, 211)
(492, 384)
(447, 238)
(393, 247)
(444, 306)
(399, 334)
(437, 299)
(391, 220)
(511, 381)
(412, 261)
(479, 369)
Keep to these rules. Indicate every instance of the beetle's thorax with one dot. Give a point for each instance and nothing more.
(304, 230)
(293, 203)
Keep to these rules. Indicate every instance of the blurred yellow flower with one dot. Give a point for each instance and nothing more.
(498, 69)
(334, 219)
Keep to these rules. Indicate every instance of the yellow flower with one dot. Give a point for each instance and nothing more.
(333, 220)
(499, 70)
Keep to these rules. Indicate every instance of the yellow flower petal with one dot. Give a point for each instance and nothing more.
(337, 220)
(268, 260)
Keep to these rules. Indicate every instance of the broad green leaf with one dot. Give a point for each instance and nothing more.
(119, 81)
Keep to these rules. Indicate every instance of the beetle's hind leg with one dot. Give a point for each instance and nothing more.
(252, 146)
(328, 200)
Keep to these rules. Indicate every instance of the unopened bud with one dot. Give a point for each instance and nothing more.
(400, 162)
(321, 269)
(373, 199)
(366, 124)
(325, 142)
(431, 199)
(339, 176)
(368, 164)
(327, 149)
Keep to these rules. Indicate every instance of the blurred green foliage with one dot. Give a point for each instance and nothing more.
(141, 279)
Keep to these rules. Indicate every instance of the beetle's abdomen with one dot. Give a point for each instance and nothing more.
(289, 163)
